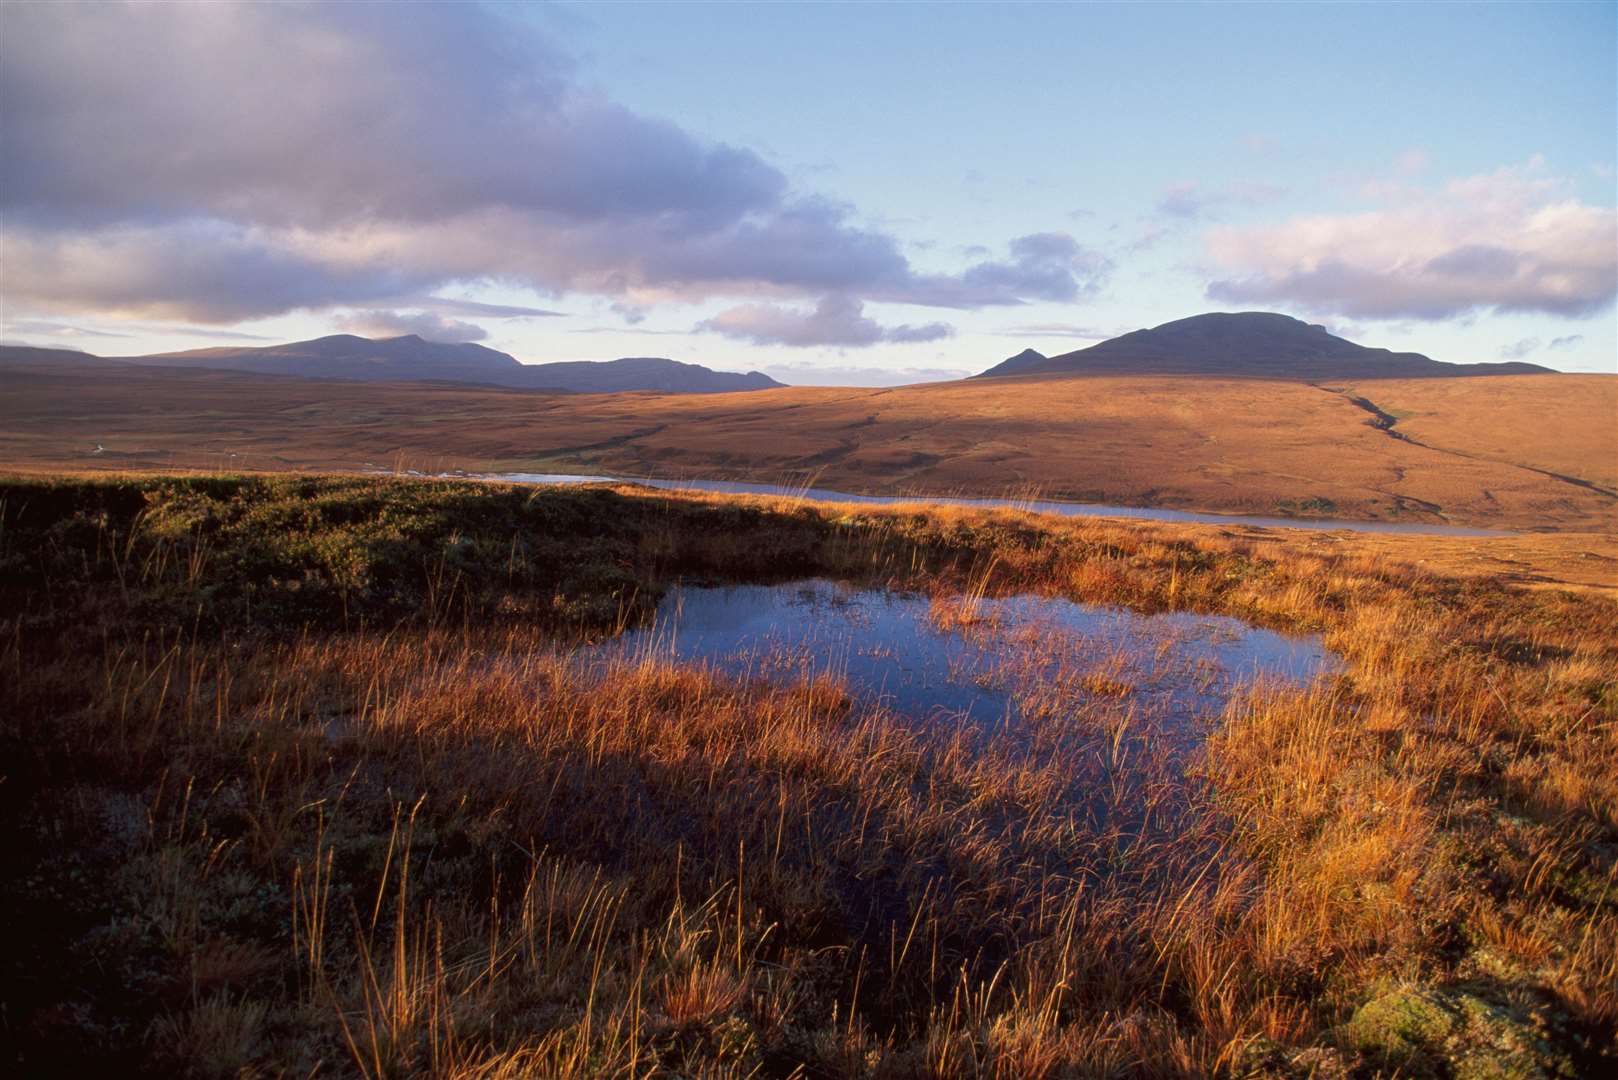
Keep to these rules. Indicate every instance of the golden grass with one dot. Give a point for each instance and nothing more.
(444, 847)
(1510, 426)
(1232, 445)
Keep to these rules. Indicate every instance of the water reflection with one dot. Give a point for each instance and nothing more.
(1053, 741)
(995, 663)
(1039, 506)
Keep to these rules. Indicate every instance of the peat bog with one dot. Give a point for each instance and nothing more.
(382, 777)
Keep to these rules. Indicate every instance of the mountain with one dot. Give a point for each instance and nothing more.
(1019, 364)
(31, 356)
(642, 373)
(1253, 344)
(345, 356)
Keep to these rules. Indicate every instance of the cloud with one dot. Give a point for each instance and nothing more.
(200, 270)
(210, 332)
(453, 306)
(56, 329)
(1049, 266)
(1184, 204)
(42, 326)
(1572, 341)
(376, 323)
(1519, 349)
(221, 162)
(824, 375)
(1509, 241)
(835, 320)
(1191, 200)
(1148, 238)
(633, 314)
(275, 131)
(627, 330)
(1184, 200)
(913, 335)
(1069, 330)
(1351, 332)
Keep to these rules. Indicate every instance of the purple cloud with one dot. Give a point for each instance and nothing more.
(115, 111)
(1042, 266)
(426, 324)
(835, 320)
(222, 162)
(1480, 260)
(201, 270)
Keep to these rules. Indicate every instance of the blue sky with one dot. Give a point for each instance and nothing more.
(834, 193)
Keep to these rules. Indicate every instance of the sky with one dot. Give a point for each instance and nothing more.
(852, 194)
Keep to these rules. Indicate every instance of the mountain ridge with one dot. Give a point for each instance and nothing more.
(1249, 344)
(411, 358)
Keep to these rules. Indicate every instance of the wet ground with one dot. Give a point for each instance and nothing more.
(1032, 505)
(992, 663)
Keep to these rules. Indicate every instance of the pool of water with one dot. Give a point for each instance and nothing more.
(1039, 506)
(1008, 664)
(1064, 739)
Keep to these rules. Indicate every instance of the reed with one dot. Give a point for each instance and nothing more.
(305, 774)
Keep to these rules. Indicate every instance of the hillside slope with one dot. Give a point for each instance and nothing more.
(1233, 445)
(38, 356)
(348, 356)
(1451, 415)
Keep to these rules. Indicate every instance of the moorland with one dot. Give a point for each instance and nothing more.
(302, 776)
(1504, 452)
(315, 766)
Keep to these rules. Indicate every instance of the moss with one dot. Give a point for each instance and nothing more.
(1502, 1042)
(1585, 888)
(1266, 1059)
(1403, 1029)
(1491, 963)
(1315, 504)
(1455, 1033)
(289, 552)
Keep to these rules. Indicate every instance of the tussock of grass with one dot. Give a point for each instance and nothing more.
(299, 775)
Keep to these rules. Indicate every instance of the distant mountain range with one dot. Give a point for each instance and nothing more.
(345, 356)
(1253, 344)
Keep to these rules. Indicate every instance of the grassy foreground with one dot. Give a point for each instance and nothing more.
(298, 777)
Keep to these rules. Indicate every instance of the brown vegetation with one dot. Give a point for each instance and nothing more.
(298, 776)
(1524, 422)
(1243, 446)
